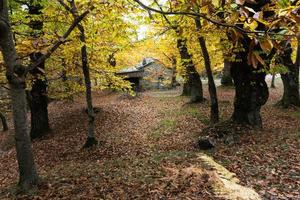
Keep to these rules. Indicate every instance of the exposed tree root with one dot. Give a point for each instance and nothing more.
(226, 131)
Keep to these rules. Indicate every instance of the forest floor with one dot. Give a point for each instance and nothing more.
(148, 149)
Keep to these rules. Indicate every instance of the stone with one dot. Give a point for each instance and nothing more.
(206, 143)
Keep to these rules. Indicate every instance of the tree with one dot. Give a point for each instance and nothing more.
(246, 21)
(290, 79)
(37, 96)
(91, 140)
(214, 110)
(193, 85)
(226, 79)
(16, 73)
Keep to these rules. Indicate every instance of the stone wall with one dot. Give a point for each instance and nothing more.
(156, 76)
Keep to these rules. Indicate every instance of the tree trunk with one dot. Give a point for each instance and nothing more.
(38, 99)
(251, 92)
(273, 81)
(28, 176)
(91, 140)
(251, 89)
(226, 79)
(193, 85)
(290, 80)
(214, 107)
(4, 122)
(173, 80)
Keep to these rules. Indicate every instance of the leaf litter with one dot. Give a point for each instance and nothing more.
(148, 151)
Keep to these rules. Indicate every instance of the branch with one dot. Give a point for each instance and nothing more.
(164, 16)
(64, 5)
(183, 13)
(169, 58)
(216, 22)
(60, 41)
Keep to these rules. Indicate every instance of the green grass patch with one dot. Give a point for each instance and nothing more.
(172, 156)
(167, 123)
(296, 114)
(164, 127)
(192, 111)
(195, 112)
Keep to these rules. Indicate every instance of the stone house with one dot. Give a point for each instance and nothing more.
(150, 74)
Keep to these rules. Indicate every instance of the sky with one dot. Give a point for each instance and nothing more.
(142, 30)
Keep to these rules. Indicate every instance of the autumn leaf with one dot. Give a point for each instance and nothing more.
(266, 44)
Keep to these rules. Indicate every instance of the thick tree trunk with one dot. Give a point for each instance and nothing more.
(251, 92)
(28, 176)
(251, 89)
(226, 79)
(214, 107)
(4, 122)
(193, 85)
(38, 99)
(290, 80)
(27, 169)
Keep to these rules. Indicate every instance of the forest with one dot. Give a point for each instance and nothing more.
(150, 99)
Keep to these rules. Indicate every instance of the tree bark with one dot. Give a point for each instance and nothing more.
(38, 99)
(15, 73)
(193, 85)
(290, 80)
(214, 107)
(251, 92)
(251, 89)
(226, 79)
(4, 122)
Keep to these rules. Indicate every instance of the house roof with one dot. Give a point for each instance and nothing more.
(138, 68)
(128, 70)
